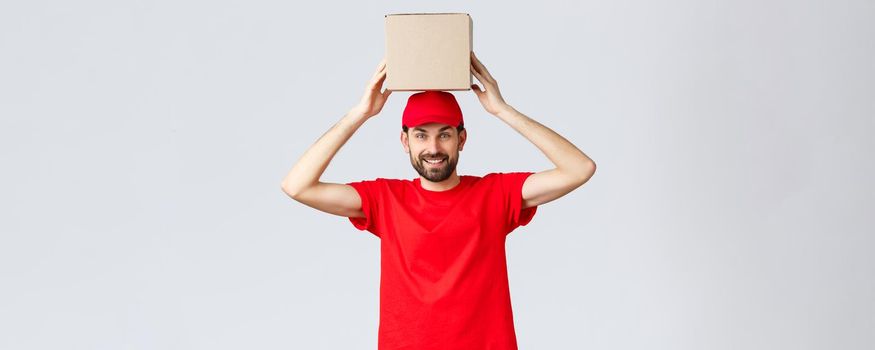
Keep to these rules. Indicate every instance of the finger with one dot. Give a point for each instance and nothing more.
(480, 67)
(479, 93)
(476, 62)
(374, 82)
(377, 81)
(479, 77)
(473, 63)
(380, 67)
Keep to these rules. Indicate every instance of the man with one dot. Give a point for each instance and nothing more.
(443, 271)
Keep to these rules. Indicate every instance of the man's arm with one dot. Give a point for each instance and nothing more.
(573, 167)
(302, 182)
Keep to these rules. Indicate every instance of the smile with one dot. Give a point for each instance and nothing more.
(434, 161)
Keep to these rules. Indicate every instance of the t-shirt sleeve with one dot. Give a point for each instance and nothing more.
(512, 185)
(367, 192)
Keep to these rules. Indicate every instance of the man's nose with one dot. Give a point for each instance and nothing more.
(433, 146)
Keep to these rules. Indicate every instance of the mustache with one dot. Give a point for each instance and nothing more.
(438, 155)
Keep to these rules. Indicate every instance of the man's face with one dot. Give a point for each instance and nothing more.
(434, 149)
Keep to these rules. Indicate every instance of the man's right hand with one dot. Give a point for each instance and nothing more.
(373, 100)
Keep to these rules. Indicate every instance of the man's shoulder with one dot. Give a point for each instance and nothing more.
(505, 179)
(504, 174)
(383, 181)
(487, 180)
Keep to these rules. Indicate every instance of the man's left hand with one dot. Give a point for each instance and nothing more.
(491, 98)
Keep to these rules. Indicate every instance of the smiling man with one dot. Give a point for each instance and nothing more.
(443, 268)
(437, 129)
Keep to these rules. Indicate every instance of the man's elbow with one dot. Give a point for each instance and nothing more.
(291, 191)
(585, 172)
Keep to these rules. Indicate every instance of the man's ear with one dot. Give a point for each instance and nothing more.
(462, 137)
(404, 142)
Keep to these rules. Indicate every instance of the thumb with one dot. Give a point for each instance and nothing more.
(476, 89)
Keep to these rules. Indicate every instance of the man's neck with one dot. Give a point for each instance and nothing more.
(447, 184)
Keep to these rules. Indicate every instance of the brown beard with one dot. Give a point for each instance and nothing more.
(435, 175)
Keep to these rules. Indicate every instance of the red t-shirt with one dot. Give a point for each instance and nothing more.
(443, 271)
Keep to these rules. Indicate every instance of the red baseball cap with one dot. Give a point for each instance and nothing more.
(431, 106)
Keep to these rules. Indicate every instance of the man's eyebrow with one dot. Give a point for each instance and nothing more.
(442, 129)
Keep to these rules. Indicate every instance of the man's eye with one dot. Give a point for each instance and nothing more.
(420, 136)
(445, 135)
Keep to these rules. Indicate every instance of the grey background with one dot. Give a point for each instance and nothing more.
(143, 143)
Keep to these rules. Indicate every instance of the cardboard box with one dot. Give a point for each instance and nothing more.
(428, 51)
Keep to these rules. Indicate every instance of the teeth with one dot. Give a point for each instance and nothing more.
(435, 161)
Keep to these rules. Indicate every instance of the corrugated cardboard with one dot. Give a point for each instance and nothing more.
(428, 51)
